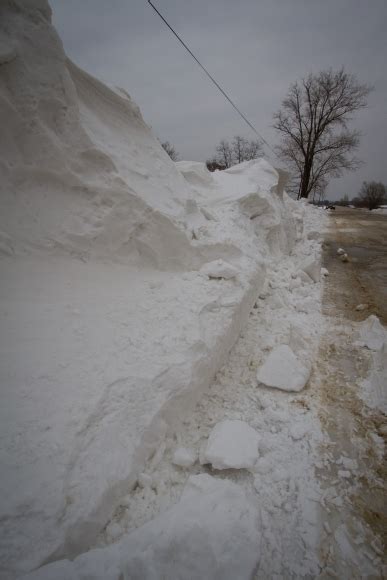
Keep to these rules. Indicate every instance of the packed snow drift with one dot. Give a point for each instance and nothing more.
(126, 280)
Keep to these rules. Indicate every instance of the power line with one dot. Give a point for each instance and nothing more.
(212, 79)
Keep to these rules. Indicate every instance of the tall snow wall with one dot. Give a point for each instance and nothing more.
(126, 280)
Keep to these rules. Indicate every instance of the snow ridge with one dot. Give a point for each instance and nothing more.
(113, 324)
(278, 491)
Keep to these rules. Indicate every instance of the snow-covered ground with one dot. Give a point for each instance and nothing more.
(125, 282)
(273, 447)
(382, 209)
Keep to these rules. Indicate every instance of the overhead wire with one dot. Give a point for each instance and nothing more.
(212, 78)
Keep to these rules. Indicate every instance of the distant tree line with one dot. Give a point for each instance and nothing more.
(344, 201)
(227, 153)
(234, 152)
(372, 195)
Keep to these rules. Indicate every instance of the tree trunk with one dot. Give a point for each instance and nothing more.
(304, 186)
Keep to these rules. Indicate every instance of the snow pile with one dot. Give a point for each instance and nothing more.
(74, 176)
(373, 336)
(382, 210)
(232, 444)
(198, 538)
(282, 480)
(282, 370)
(126, 280)
(277, 531)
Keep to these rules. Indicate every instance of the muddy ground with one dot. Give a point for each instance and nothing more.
(362, 280)
(355, 542)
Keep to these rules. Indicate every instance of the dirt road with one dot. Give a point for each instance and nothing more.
(354, 474)
(363, 280)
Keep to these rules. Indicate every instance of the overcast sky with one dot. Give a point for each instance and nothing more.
(254, 49)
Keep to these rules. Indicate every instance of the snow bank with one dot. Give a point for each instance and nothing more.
(197, 538)
(285, 487)
(74, 175)
(112, 325)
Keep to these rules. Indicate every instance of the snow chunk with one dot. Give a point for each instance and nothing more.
(295, 283)
(298, 431)
(113, 531)
(232, 444)
(374, 387)
(372, 333)
(305, 279)
(184, 457)
(219, 269)
(282, 370)
(213, 532)
(311, 266)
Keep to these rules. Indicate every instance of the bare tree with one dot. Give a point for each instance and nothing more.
(372, 194)
(239, 145)
(224, 154)
(238, 151)
(170, 149)
(253, 150)
(344, 201)
(313, 123)
(244, 150)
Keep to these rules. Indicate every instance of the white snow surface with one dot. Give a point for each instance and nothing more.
(110, 331)
(219, 269)
(312, 267)
(283, 541)
(232, 445)
(283, 497)
(373, 335)
(283, 370)
(196, 539)
(184, 457)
